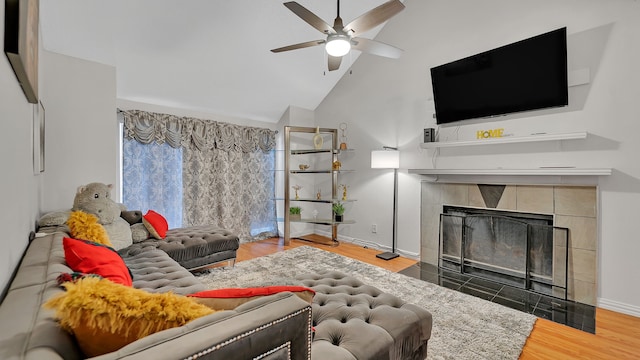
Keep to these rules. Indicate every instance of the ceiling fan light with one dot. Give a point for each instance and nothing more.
(338, 46)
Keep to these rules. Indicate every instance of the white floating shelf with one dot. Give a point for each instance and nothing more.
(548, 171)
(506, 140)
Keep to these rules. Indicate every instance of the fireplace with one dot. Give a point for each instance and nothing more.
(573, 207)
(519, 249)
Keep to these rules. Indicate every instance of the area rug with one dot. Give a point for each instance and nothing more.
(464, 327)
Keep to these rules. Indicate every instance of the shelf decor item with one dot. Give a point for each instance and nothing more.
(343, 137)
(295, 213)
(296, 188)
(338, 211)
(344, 192)
(317, 139)
(389, 158)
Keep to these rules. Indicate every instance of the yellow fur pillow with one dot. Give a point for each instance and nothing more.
(105, 316)
(85, 226)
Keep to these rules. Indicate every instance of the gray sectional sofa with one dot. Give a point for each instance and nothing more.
(273, 327)
(351, 320)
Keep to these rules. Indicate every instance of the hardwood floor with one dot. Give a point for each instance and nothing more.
(617, 335)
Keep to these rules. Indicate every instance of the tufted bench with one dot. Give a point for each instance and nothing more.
(192, 247)
(357, 321)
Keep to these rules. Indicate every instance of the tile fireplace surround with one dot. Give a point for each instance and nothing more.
(573, 207)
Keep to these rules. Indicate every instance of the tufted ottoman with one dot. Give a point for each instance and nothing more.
(192, 247)
(357, 321)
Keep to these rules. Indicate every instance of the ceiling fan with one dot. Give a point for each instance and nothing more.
(341, 38)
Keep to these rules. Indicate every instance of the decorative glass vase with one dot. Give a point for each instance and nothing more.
(317, 139)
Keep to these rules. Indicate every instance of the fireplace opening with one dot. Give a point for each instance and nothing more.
(523, 250)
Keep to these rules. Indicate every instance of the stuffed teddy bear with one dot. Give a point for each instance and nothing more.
(95, 198)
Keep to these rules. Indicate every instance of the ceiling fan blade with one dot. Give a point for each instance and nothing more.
(375, 48)
(311, 18)
(298, 46)
(334, 62)
(374, 17)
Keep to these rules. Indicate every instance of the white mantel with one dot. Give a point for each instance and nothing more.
(507, 140)
(533, 175)
(542, 171)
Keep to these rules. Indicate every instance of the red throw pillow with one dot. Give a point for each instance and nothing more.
(227, 299)
(92, 258)
(156, 224)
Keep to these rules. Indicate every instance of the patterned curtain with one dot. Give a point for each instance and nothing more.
(231, 189)
(152, 179)
(227, 170)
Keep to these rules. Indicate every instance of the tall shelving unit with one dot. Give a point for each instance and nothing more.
(330, 148)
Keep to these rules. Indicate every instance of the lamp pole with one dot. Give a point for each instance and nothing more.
(395, 212)
(392, 255)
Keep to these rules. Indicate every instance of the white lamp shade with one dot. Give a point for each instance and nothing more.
(385, 159)
(337, 46)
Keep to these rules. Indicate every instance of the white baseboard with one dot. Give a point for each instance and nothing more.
(371, 245)
(619, 307)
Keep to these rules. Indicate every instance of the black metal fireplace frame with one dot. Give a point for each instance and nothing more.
(464, 263)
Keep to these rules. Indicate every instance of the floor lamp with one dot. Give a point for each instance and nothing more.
(389, 158)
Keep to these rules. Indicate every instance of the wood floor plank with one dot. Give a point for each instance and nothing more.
(617, 335)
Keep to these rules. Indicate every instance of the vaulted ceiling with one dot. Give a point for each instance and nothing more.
(209, 56)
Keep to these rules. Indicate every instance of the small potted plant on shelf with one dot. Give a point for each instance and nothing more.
(294, 213)
(338, 211)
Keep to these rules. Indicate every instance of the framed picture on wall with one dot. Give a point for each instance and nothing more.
(21, 43)
(38, 138)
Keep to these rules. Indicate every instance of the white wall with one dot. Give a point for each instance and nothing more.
(81, 144)
(81, 127)
(389, 102)
(19, 187)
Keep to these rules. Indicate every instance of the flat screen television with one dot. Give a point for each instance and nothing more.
(527, 75)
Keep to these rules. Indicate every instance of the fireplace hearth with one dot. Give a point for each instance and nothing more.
(523, 250)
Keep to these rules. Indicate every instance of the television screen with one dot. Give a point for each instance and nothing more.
(527, 75)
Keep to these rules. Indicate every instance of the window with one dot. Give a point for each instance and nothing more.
(152, 179)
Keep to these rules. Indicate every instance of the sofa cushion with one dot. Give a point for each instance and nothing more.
(31, 327)
(105, 316)
(93, 258)
(154, 271)
(85, 226)
(156, 224)
(228, 299)
(132, 216)
(54, 218)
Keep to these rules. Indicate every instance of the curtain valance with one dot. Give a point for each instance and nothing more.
(147, 127)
